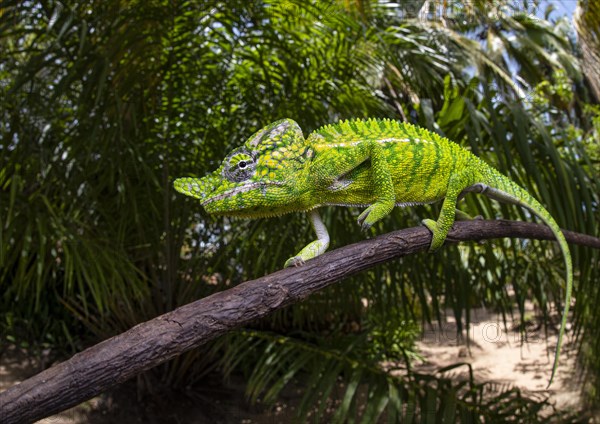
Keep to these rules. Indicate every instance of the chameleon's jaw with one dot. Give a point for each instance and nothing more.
(222, 197)
(211, 188)
(239, 189)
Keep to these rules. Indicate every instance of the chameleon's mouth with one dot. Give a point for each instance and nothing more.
(247, 186)
(244, 188)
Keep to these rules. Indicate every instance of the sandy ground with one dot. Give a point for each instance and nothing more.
(498, 353)
(495, 352)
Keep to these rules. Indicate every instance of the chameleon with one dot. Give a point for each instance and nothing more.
(374, 163)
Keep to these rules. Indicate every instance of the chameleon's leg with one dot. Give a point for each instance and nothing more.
(462, 215)
(383, 187)
(440, 228)
(315, 248)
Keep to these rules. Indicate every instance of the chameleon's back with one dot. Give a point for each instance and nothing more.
(420, 162)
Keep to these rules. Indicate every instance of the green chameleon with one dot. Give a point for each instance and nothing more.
(375, 163)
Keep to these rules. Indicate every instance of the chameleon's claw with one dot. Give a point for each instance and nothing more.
(362, 221)
(374, 213)
(362, 217)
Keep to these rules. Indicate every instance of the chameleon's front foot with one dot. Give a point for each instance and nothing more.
(438, 236)
(315, 248)
(374, 213)
(312, 250)
(294, 261)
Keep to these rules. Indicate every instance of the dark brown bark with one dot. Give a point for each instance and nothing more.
(148, 344)
(587, 25)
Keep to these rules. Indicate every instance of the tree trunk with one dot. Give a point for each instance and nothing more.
(587, 24)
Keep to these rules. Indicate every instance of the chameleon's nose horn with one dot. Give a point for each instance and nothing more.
(194, 187)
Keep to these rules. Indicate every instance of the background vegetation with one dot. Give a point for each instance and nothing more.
(104, 103)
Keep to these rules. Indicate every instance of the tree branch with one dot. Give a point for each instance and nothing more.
(153, 342)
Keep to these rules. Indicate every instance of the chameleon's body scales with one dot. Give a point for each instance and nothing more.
(375, 163)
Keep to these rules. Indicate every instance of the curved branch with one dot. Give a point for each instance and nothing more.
(153, 342)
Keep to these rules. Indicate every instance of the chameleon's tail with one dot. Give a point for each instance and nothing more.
(499, 187)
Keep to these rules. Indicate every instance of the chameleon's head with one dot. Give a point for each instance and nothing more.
(256, 179)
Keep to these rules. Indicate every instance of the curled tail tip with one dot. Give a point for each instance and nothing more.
(561, 334)
(553, 373)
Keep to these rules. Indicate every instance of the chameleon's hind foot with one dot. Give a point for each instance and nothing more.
(438, 237)
(463, 216)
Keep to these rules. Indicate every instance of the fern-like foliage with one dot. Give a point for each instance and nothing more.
(342, 380)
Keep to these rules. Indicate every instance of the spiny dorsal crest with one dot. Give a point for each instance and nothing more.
(374, 129)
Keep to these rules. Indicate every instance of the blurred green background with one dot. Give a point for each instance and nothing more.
(104, 103)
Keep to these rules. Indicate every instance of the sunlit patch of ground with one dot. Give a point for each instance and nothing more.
(505, 355)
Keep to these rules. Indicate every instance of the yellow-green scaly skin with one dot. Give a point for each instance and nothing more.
(375, 163)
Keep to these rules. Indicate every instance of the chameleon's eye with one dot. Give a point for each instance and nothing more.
(239, 166)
